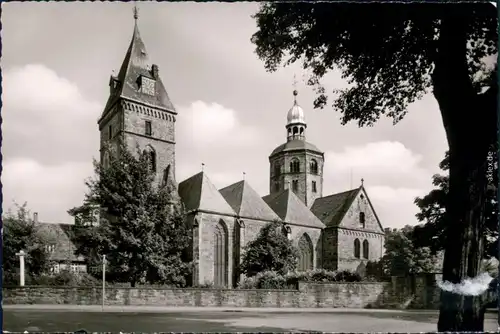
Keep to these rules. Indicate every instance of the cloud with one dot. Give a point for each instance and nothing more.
(49, 190)
(49, 115)
(205, 124)
(392, 173)
(49, 138)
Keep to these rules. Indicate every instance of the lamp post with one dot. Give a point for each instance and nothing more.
(103, 280)
(21, 255)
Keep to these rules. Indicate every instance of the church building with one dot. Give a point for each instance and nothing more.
(335, 232)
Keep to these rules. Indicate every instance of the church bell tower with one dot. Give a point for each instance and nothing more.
(139, 111)
(297, 164)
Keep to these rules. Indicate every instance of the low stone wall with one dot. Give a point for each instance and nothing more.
(416, 292)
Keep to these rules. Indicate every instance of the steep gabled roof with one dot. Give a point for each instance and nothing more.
(331, 209)
(60, 236)
(198, 193)
(291, 209)
(136, 64)
(246, 202)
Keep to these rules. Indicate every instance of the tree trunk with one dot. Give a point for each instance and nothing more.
(470, 125)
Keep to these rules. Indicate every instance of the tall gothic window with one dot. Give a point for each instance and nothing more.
(314, 167)
(294, 166)
(152, 160)
(220, 255)
(237, 252)
(305, 260)
(366, 250)
(357, 248)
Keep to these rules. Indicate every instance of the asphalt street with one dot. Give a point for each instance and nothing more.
(214, 320)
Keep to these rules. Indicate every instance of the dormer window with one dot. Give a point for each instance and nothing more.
(147, 86)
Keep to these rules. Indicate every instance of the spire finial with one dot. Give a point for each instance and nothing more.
(136, 12)
(202, 166)
(362, 181)
(244, 175)
(295, 92)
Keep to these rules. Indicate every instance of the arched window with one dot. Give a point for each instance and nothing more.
(105, 159)
(236, 252)
(313, 165)
(151, 156)
(305, 261)
(220, 255)
(277, 169)
(301, 130)
(362, 219)
(366, 249)
(152, 160)
(357, 248)
(294, 166)
(295, 130)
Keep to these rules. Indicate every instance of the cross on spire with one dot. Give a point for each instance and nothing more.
(295, 92)
(244, 175)
(362, 180)
(136, 12)
(202, 166)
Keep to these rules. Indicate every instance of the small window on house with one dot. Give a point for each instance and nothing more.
(314, 186)
(148, 128)
(295, 185)
(110, 132)
(362, 219)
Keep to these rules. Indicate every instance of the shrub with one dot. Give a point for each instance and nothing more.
(273, 280)
(270, 251)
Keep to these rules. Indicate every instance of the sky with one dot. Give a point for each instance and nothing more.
(57, 58)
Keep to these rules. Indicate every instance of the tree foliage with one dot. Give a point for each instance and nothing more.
(433, 232)
(390, 60)
(20, 232)
(270, 251)
(138, 226)
(403, 257)
(387, 58)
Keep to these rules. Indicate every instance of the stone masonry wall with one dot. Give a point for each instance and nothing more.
(400, 293)
(350, 228)
(206, 229)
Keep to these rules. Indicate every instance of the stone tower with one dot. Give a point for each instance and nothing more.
(139, 111)
(297, 164)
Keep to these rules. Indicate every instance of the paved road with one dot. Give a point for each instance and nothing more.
(217, 320)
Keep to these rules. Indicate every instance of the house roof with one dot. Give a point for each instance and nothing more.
(291, 209)
(60, 236)
(246, 202)
(332, 209)
(136, 64)
(295, 145)
(198, 193)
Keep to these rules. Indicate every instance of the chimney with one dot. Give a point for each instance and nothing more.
(35, 217)
(155, 71)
